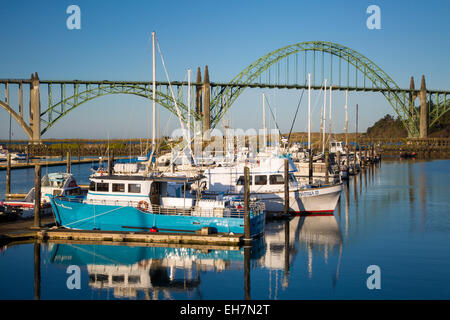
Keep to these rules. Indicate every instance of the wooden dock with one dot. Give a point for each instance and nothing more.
(21, 230)
(47, 163)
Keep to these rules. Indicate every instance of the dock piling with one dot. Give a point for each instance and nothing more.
(286, 186)
(247, 232)
(8, 174)
(37, 196)
(68, 161)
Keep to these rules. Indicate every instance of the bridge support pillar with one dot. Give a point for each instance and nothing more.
(206, 102)
(198, 95)
(412, 113)
(35, 109)
(423, 109)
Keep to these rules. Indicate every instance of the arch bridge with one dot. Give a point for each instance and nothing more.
(284, 68)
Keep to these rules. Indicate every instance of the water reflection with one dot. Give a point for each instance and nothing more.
(152, 270)
(316, 236)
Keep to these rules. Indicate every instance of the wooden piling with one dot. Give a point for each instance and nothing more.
(338, 155)
(247, 252)
(354, 160)
(68, 162)
(327, 179)
(348, 158)
(8, 174)
(247, 232)
(310, 174)
(109, 163)
(37, 271)
(37, 196)
(286, 186)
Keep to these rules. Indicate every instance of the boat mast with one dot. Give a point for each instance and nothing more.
(324, 115)
(346, 118)
(329, 131)
(154, 95)
(264, 121)
(189, 108)
(309, 111)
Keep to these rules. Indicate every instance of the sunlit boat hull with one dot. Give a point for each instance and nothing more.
(85, 216)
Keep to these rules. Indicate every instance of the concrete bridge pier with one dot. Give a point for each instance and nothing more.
(35, 109)
(198, 94)
(206, 102)
(423, 109)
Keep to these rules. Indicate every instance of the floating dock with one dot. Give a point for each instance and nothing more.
(22, 230)
(47, 163)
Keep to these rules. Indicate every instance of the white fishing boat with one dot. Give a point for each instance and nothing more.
(56, 184)
(267, 185)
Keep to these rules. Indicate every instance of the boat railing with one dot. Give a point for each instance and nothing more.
(256, 208)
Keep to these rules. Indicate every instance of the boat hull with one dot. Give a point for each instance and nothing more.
(314, 200)
(301, 201)
(85, 216)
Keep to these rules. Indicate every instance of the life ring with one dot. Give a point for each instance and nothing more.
(142, 205)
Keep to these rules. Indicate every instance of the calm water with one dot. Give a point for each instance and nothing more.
(394, 216)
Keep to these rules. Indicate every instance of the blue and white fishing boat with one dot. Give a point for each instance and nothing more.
(152, 203)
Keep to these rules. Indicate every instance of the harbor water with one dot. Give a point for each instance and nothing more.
(392, 218)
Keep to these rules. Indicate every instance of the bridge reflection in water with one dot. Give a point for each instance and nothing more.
(158, 272)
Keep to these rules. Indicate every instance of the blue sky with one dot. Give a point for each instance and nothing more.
(114, 44)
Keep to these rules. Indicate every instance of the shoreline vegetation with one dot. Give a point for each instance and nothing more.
(387, 133)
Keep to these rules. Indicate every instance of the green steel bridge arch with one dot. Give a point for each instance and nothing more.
(277, 67)
(287, 67)
(83, 92)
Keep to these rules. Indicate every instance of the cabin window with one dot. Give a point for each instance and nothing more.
(134, 188)
(92, 186)
(74, 192)
(276, 179)
(260, 180)
(333, 144)
(240, 181)
(103, 187)
(118, 187)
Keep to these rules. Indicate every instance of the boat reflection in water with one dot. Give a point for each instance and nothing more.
(159, 272)
(151, 270)
(314, 235)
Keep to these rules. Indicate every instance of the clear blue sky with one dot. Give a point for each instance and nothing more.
(114, 44)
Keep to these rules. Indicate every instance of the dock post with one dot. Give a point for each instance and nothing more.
(8, 174)
(348, 158)
(338, 155)
(286, 253)
(247, 232)
(111, 164)
(327, 179)
(286, 186)
(354, 160)
(37, 271)
(247, 272)
(68, 161)
(310, 174)
(27, 148)
(37, 196)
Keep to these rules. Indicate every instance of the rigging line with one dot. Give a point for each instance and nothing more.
(98, 215)
(171, 91)
(273, 116)
(315, 103)
(295, 116)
